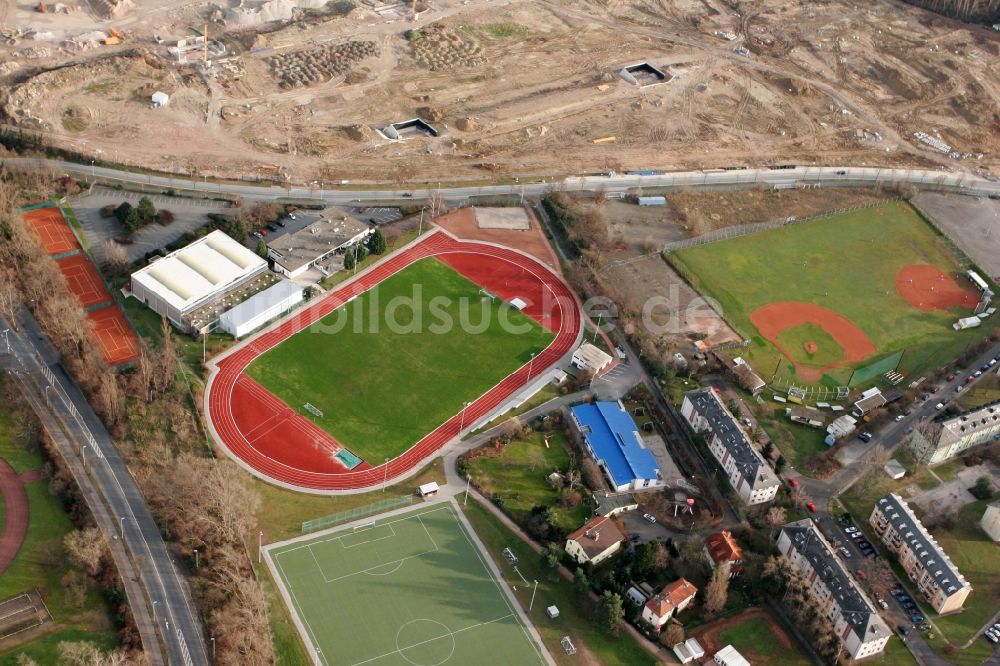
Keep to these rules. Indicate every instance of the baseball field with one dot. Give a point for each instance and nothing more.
(820, 298)
(400, 359)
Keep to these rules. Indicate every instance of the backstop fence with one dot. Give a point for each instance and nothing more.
(868, 372)
(356, 512)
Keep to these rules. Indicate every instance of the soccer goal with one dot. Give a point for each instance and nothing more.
(363, 526)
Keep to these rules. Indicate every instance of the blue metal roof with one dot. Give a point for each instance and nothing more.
(614, 438)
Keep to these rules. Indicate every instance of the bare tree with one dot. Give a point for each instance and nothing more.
(673, 635)
(87, 549)
(717, 590)
(115, 256)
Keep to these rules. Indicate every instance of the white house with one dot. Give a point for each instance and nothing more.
(674, 598)
(589, 357)
(596, 541)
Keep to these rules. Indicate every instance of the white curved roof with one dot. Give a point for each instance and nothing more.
(192, 273)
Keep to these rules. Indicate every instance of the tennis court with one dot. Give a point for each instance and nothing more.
(52, 229)
(83, 280)
(115, 337)
(410, 589)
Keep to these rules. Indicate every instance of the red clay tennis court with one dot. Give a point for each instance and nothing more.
(52, 229)
(115, 337)
(83, 280)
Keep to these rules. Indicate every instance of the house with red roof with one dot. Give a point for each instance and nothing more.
(720, 549)
(674, 598)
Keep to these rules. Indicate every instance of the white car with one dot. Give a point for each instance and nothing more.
(845, 552)
(939, 406)
(649, 517)
(899, 417)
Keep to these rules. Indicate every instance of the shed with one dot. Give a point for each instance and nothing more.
(428, 489)
(160, 98)
(894, 469)
(552, 612)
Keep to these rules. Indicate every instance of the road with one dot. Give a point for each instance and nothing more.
(158, 595)
(747, 178)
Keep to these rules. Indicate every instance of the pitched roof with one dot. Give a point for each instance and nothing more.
(924, 547)
(597, 535)
(722, 547)
(614, 438)
(723, 424)
(673, 595)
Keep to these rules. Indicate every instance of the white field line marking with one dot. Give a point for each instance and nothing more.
(431, 640)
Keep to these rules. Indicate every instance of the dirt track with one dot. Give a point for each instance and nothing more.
(708, 636)
(16, 515)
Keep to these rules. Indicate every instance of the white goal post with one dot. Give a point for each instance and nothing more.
(364, 526)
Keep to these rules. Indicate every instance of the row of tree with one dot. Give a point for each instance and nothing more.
(132, 218)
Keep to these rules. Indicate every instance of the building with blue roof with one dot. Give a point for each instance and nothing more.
(613, 439)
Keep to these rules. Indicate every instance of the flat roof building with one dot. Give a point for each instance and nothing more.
(950, 437)
(750, 476)
(181, 282)
(589, 357)
(320, 244)
(730, 656)
(991, 521)
(925, 562)
(612, 438)
(853, 617)
(261, 308)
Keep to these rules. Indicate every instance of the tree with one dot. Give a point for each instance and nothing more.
(581, 582)
(983, 489)
(779, 464)
(361, 251)
(717, 590)
(592, 474)
(610, 612)
(349, 260)
(122, 211)
(647, 556)
(377, 243)
(552, 555)
(573, 478)
(164, 216)
(147, 210)
(115, 256)
(131, 220)
(673, 635)
(262, 248)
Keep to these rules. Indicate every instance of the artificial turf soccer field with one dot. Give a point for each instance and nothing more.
(847, 263)
(412, 590)
(381, 389)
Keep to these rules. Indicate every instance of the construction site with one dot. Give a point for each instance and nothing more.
(302, 90)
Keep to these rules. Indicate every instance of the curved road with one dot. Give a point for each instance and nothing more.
(747, 178)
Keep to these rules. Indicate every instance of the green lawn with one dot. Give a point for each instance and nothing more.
(755, 641)
(846, 262)
(985, 391)
(795, 441)
(382, 387)
(413, 589)
(517, 476)
(34, 567)
(575, 612)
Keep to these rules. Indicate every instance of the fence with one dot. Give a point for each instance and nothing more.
(872, 370)
(812, 393)
(356, 512)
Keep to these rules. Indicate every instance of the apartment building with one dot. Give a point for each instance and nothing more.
(951, 437)
(927, 565)
(750, 476)
(853, 617)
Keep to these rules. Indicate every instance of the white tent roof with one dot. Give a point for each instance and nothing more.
(262, 302)
(188, 275)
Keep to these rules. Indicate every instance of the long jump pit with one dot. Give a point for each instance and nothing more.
(274, 441)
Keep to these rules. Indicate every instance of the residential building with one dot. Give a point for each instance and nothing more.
(721, 549)
(809, 416)
(320, 245)
(923, 560)
(612, 438)
(596, 541)
(870, 399)
(190, 286)
(840, 427)
(747, 376)
(749, 475)
(261, 308)
(991, 521)
(612, 504)
(730, 656)
(671, 600)
(688, 651)
(851, 613)
(947, 438)
(589, 357)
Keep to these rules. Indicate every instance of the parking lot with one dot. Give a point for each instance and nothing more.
(378, 215)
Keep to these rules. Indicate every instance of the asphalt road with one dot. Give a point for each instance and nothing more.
(167, 597)
(827, 176)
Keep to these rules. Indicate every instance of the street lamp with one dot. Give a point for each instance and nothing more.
(6, 338)
(468, 482)
(385, 477)
(121, 523)
(212, 638)
(533, 590)
(260, 544)
(154, 609)
(530, 363)
(195, 559)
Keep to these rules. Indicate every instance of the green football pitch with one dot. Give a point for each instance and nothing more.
(386, 369)
(845, 262)
(408, 590)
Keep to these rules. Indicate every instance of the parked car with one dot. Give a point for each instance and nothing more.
(902, 630)
(861, 574)
(846, 553)
(851, 529)
(811, 507)
(899, 417)
(883, 604)
(634, 538)
(793, 483)
(940, 405)
(991, 636)
(865, 437)
(256, 234)
(977, 373)
(649, 517)
(950, 378)
(916, 619)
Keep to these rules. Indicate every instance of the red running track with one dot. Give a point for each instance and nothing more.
(278, 444)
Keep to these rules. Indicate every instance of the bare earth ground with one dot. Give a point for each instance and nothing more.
(953, 495)
(973, 223)
(517, 88)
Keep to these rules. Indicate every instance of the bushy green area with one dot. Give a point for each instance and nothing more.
(382, 388)
(517, 477)
(575, 610)
(847, 263)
